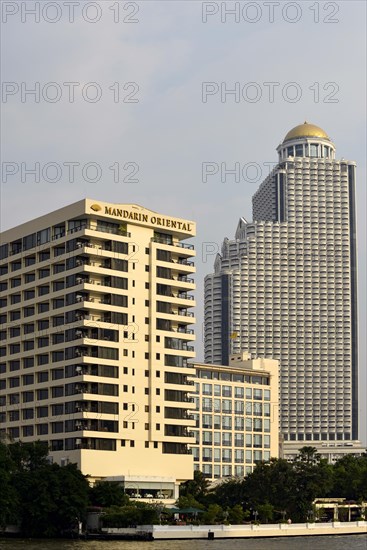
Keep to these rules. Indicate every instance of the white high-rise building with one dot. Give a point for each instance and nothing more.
(286, 288)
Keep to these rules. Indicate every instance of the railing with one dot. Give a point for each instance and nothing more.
(179, 244)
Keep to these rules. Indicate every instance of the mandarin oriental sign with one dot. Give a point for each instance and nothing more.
(150, 219)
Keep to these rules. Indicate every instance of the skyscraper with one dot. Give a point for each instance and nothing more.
(286, 288)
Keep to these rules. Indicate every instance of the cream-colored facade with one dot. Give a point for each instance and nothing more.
(236, 416)
(96, 331)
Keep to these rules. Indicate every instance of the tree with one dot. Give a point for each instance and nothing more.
(197, 487)
(266, 512)
(313, 477)
(237, 515)
(106, 494)
(53, 499)
(8, 495)
(29, 456)
(350, 478)
(214, 514)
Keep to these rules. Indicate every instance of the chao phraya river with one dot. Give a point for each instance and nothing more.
(335, 542)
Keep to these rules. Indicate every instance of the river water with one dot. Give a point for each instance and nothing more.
(355, 542)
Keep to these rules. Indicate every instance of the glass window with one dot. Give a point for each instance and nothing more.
(258, 425)
(258, 440)
(217, 405)
(227, 439)
(248, 424)
(207, 438)
(239, 456)
(207, 421)
(217, 422)
(258, 394)
(258, 409)
(239, 440)
(248, 457)
(217, 438)
(226, 455)
(248, 440)
(248, 408)
(239, 407)
(226, 405)
(239, 392)
(216, 455)
(266, 409)
(217, 389)
(248, 393)
(258, 456)
(226, 391)
(207, 389)
(266, 395)
(226, 422)
(239, 423)
(207, 404)
(267, 441)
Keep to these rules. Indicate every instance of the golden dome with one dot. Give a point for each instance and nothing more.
(306, 130)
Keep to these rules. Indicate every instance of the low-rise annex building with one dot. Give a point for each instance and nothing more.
(236, 416)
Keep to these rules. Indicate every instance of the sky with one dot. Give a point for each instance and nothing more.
(155, 102)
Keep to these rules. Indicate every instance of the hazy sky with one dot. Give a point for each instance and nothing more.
(126, 91)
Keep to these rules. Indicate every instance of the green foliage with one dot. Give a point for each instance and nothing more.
(237, 515)
(350, 478)
(189, 502)
(266, 512)
(106, 494)
(53, 499)
(214, 514)
(44, 499)
(197, 487)
(9, 500)
(137, 513)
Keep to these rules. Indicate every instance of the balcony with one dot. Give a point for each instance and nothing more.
(178, 243)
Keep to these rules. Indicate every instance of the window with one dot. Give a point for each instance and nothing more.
(239, 392)
(28, 345)
(28, 311)
(226, 439)
(226, 422)
(207, 389)
(42, 412)
(226, 455)
(15, 315)
(29, 277)
(14, 299)
(42, 290)
(42, 394)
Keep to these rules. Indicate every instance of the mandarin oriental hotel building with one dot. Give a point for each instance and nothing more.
(95, 334)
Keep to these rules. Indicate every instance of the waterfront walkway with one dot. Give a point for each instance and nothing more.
(160, 532)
